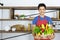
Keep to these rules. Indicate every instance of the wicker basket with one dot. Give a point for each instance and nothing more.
(42, 39)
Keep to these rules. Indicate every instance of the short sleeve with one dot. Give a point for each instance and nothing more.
(34, 20)
(50, 21)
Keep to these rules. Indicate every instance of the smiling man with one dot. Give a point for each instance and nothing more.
(41, 19)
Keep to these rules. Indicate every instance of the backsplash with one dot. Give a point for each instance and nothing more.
(25, 23)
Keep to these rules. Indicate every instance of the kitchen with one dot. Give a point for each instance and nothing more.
(6, 23)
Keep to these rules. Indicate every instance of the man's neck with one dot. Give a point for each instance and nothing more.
(42, 15)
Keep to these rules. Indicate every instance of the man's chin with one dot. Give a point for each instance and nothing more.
(41, 14)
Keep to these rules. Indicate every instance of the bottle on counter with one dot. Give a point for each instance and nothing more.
(29, 27)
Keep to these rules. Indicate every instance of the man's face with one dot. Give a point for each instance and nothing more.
(41, 10)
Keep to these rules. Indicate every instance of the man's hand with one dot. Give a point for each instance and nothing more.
(51, 36)
(38, 37)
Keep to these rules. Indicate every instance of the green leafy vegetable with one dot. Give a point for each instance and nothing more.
(36, 30)
(22, 15)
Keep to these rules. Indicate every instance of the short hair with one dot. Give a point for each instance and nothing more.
(41, 4)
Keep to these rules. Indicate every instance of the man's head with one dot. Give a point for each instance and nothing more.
(41, 8)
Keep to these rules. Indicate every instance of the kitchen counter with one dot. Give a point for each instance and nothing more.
(2, 31)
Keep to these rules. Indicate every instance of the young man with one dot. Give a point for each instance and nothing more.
(41, 18)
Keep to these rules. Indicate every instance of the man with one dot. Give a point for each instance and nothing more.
(41, 19)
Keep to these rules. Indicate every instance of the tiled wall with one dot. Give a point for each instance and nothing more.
(11, 23)
(25, 23)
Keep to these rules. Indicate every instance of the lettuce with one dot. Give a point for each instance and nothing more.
(36, 30)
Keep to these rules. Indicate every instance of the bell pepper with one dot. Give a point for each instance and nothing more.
(43, 26)
(46, 26)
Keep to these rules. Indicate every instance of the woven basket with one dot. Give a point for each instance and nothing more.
(41, 39)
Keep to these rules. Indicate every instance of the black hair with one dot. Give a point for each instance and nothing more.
(41, 4)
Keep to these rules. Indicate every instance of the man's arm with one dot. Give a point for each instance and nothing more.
(34, 24)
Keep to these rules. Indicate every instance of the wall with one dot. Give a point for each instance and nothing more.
(30, 2)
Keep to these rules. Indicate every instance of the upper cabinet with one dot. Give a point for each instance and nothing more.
(29, 12)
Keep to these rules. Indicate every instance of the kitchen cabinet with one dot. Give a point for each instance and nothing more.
(12, 10)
